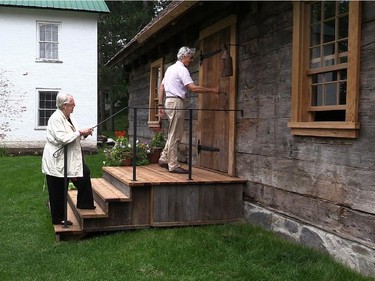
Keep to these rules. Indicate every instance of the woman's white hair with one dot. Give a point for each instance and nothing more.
(185, 51)
(62, 99)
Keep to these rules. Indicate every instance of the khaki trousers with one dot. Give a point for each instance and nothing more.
(173, 109)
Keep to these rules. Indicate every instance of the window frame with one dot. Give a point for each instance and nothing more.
(38, 49)
(301, 122)
(39, 109)
(155, 81)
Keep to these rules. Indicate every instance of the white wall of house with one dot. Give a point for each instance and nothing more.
(22, 75)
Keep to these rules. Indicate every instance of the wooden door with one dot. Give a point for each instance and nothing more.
(216, 118)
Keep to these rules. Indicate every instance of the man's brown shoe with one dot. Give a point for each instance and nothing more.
(179, 170)
(163, 165)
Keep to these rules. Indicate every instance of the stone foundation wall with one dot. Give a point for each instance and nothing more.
(357, 256)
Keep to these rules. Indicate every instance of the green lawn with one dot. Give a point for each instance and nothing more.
(29, 251)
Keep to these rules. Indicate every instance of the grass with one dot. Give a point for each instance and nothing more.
(29, 250)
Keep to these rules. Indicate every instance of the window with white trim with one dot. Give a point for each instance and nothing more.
(325, 71)
(48, 41)
(47, 106)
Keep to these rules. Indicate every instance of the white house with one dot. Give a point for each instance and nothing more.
(46, 47)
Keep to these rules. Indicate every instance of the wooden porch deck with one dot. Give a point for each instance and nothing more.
(156, 198)
(153, 174)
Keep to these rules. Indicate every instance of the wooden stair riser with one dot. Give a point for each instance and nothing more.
(196, 204)
(99, 200)
(117, 183)
(119, 215)
(75, 211)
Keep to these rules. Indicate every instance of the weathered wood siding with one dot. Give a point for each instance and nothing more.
(318, 191)
(324, 182)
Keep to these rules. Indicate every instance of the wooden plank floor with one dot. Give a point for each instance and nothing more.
(153, 174)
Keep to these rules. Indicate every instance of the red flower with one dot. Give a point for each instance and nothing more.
(120, 134)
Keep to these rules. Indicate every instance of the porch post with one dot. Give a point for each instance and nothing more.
(190, 142)
(66, 186)
(135, 144)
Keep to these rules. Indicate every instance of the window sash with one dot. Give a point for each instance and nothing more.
(328, 47)
(156, 76)
(47, 105)
(48, 41)
(302, 120)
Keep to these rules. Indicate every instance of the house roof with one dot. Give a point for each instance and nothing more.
(97, 6)
(173, 11)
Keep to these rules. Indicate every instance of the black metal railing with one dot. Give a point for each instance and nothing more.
(135, 114)
(190, 144)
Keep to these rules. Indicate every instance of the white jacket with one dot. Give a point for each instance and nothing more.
(59, 133)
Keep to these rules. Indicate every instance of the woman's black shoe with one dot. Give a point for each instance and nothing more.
(68, 222)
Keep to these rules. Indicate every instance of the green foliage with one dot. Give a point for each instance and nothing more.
(115, 30)
(3, 152)
(29, 250)
(158, 140)
(123, 150)
(142, 149)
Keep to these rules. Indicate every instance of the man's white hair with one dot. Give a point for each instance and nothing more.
(185, 51)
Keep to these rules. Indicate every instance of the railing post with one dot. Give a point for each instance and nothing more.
(190, 142)
(65, 186)
(135, 144)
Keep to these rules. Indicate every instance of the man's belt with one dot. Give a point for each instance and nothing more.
(174, 97)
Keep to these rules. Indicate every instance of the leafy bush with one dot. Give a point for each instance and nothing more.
(3, 152)
(158, 141)
(123, 150)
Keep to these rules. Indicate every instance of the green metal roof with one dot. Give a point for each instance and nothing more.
(98, 6)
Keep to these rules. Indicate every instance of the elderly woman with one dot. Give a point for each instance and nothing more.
(63, 130)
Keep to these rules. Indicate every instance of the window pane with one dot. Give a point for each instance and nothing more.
(42, 33)
(343, 74)
(331, 94)
(329, 62)
(329, 9)
(42, 50)
(343, 60)
(343, 46)
(315, 57)
(330, 76)
(316, 95)
(48, 33)
(343, 27)
(55, 51)
(315, 34)
(342, 94)
(329, 49)
(343, 7)
(329, 31)
(314, 79)
(316, 12)
(320, 78)
(54, 33)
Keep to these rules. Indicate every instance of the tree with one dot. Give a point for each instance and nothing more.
(116, 29)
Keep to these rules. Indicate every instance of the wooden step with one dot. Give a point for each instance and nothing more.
(105, 193)
(115, 177)
(84, 213)
(72, 232)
